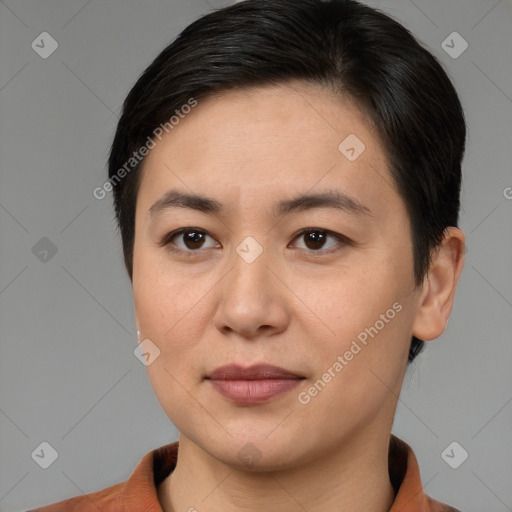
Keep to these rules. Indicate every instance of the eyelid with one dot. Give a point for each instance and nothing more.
(166, 240)
(342, 239)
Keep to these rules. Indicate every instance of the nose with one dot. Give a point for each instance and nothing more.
(253, 301)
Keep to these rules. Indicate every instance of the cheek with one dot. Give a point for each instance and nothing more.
(164, 307)
(352, 300)
(167, 311)
(368, 319)
(358, 373)
(165, 297)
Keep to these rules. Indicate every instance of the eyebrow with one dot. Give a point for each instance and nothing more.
(327, 199)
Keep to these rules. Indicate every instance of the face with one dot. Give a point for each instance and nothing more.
(321, 287)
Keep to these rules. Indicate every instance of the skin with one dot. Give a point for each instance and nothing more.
(298, 305)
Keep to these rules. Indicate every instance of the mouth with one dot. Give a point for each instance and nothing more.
(253, 385)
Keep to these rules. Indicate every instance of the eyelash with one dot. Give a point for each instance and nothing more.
(166, 241)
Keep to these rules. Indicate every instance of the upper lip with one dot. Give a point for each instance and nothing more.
(255, 372)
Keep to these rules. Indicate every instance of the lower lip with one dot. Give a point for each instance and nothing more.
(253, 391)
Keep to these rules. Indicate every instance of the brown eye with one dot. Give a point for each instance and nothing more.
(187, 240)
(316, 240)
(193, 239)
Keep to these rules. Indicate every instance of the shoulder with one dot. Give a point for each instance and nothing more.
(106, 500)
(437, 506)
(406, 479)
(139, 492)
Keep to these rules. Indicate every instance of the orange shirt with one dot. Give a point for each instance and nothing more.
(139, 492)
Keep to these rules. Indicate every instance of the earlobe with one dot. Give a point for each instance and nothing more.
(439, 286)
(138, 329)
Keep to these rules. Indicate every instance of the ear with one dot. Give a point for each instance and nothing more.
(138, 328)
(439, 285)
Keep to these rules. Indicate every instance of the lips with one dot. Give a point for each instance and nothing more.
(256, 372)
(252, 385)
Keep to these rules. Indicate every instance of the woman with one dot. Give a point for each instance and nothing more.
(286, 178)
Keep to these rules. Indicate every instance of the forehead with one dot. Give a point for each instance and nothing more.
(268, 141)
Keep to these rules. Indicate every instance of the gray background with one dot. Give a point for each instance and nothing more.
(68, 375)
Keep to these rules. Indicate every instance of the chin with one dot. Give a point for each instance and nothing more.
(256, 449)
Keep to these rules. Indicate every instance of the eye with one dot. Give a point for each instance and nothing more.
(315, 240)
(192, 239)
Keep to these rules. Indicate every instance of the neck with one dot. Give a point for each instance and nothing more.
(355, 477)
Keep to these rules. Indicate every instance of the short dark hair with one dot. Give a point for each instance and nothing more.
(343, 45)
